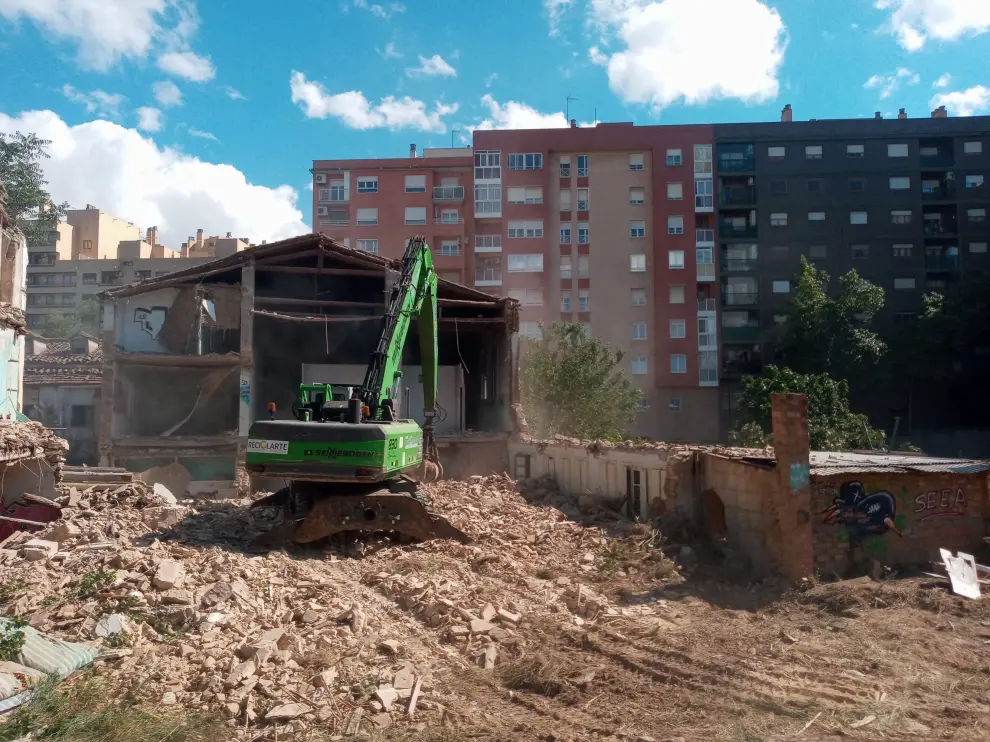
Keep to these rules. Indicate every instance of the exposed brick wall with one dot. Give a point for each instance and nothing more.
(928, 511)
(464, 458)
(789, 533)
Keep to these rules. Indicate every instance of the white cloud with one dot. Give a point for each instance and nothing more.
(167, 93)
(234, 93)
(490, 79)
(355, 111)
(435, 66)
(915, 22)
(971, 102)
(187, 65)
(555, 9)
(515, 115)
(379, 10)
(152, 186)
(943, 81)
(390, 52)
(889, 84)
(96, 101)
(660, 61)
(202, 134)
(149, 119)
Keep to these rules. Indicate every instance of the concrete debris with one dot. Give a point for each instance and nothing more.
(37, 549)
(287, 711)
(168, 575)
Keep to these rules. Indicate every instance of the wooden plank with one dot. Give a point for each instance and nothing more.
(318, 302)
(350, 272)
(168, 359)
(22, 522)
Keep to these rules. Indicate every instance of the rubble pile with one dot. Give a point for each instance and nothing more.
(356, 637)
(30, 438)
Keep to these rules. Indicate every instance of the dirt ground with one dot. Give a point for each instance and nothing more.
(587, 629)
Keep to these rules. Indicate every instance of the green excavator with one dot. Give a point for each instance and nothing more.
(350, 464)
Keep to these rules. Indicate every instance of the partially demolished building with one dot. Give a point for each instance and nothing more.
(13, 297)
(191, 359)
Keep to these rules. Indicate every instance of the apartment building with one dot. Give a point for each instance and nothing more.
(903, 201)
(611, 226)
(377, 205)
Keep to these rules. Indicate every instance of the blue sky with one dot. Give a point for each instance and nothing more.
(208, 114)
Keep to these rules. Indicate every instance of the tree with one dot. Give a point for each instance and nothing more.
(22, 176)
(832, 426)
(831, 335)
(572, 385)
(87, 319)
(58, 325)
(90, 316)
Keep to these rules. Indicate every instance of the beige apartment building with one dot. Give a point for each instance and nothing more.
(92, 251)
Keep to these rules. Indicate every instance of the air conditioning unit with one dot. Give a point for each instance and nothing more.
(321, 178)
(322, 210)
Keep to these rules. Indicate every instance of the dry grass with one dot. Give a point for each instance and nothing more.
(546, 672)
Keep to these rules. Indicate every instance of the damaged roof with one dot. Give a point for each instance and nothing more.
(305, 243)
(12, 318)
(825, 463)
(59, 364)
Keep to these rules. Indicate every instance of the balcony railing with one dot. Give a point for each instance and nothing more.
(731, 231)
(741, 366)
(938, 193)
(745, 165)
(737, 196)
(941, 262)
(745, 334)
(488, 277)
(938, 159)
(740, 298)
(334, 222)
(448, 193)
(704, 237)
(706, 305)
(938, 229)
(739, 265)
(447, 220)
(706, 272)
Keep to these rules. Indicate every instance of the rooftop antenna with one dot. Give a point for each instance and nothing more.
(567, 107)
(452, 132)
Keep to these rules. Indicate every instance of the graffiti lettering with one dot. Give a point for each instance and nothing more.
(864, 515)
(940, 504)
(151, 320)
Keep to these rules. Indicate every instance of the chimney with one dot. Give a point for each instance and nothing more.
(878, 115)
(573, 123)
(412, 151)
(152, 236)
(199, 238)
(229, 234)
(902, 114)
(940, 113)
(265, 242)
(787, 115)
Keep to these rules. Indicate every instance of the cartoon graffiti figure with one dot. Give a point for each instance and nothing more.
(151, 320)
(862, 514)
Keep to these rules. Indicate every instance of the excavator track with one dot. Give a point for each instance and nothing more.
(317, 510)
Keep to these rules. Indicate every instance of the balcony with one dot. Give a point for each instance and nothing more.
(941, 262)
(448, 193)
(739, 265)
(706, 272)
(936, 153)
(335, 222)
(704, 238)
(737, 196)
(706, 305)
(447, 220)
(742, 366)
(939, 228)
(731, 231)
(749, 333)
(740, 298)
(736, 164)
(942, 191)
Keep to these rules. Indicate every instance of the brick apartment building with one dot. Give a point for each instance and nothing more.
(617, 226)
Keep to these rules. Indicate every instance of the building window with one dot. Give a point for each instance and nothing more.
(637, 196)
(89, 278)
(81, 416)
(674, 158)
(855, 150)
(675, 225)
(897, 150)
(450, 248)
(781, 287)
(776, 153)
(637, 229)
(526, 161)
(860, 252)
(636, 161)
(565, 235)
(817, 252)
(703, 198)
(903, 284)
(816, 185)
(678, 329)
(816, 217)
(520, 466)
(676, 295)
(323, 194)
(487, 200)
(527, 195)
(973, 148)
(639, 366)
(675, 191)
(527, 297)
(901, 216)
(858, 217)
(415, 184)
(487, 165)
(813, 152)
(675, 260)
(338, 192)
(565, 167)
(565, 200)
(978, 247)
(780, 319)
(488, 243)
(582, 166)
(415, 215)
(780, 252)
(638, 331)
(584, 300)
(531, 330)
(678, 364)
(857, 185)
(974, 181)
(369, 217)
(368, 246)
(778, 219)
(583, 200)
(900, 183)
(902, 251)
(778, 187)
(637, 263)
(584, 233)
(565, 301)
(584, 266)
(565, 267)
(87, 244)
(69, 279)
(525, 263)
(525, 229)
(637, 297)
(976, 215)
(367, 184)
(702, 159)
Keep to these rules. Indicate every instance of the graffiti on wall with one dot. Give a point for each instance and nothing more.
(946, 503)
(245, 392)
(151, 320)
(864, 514)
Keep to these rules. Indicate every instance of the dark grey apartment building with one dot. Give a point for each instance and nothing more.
(903, 201)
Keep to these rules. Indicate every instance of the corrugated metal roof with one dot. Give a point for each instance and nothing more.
(824, 463)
